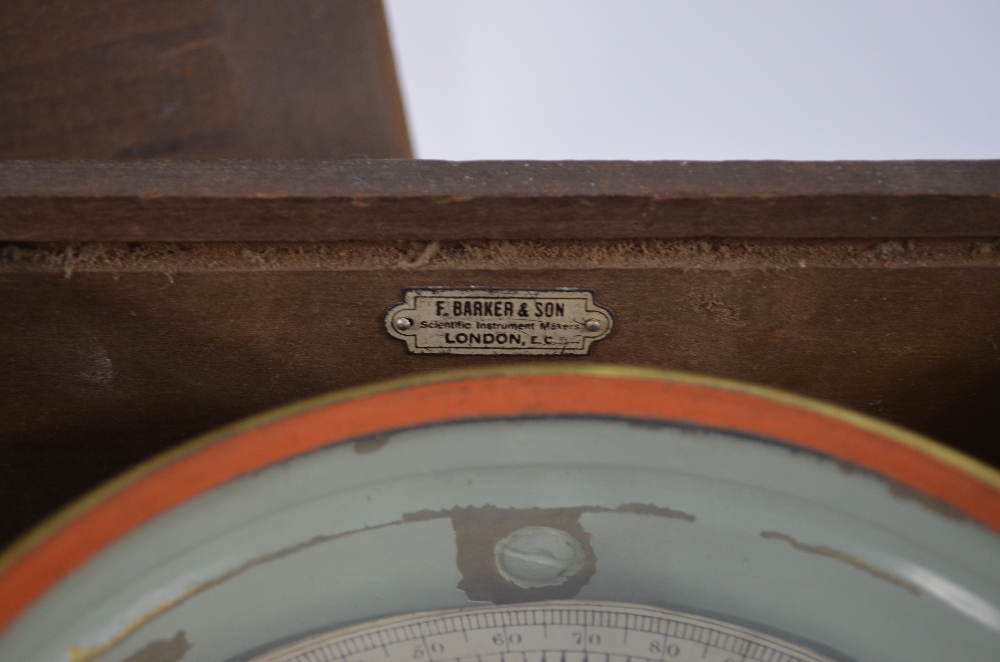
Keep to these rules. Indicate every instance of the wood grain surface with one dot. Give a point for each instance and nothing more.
(435, 200)
(136, 79)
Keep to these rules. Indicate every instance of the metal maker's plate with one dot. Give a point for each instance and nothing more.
(493, 321)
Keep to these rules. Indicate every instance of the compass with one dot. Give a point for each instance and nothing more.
(525, 514)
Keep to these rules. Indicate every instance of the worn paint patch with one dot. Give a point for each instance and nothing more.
(372, 444)
(479, 529)
(934, 505)
(162, 650)
(477, 532)
(843, 557)
(648, 509)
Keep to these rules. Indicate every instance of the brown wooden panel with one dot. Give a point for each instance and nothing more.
(126, 79)
(110, 353)
(428, 200)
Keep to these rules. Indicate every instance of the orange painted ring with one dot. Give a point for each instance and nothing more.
(56, 549)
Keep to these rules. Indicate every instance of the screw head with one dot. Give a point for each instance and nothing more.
(536, 556)
(403, 323)
(592, 325)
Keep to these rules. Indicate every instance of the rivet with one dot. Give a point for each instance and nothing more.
(535, 556)
(403, 323)
(592, 325)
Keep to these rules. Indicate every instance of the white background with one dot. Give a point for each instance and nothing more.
(706, 79)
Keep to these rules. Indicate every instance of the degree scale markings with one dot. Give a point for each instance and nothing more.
(557, 631)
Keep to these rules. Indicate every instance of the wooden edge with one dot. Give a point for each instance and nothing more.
(437, 200)
(408, 178)
(63, 544)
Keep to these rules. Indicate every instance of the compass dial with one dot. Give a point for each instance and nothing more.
(555, 631)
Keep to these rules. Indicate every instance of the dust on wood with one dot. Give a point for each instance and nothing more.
(752, 254)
